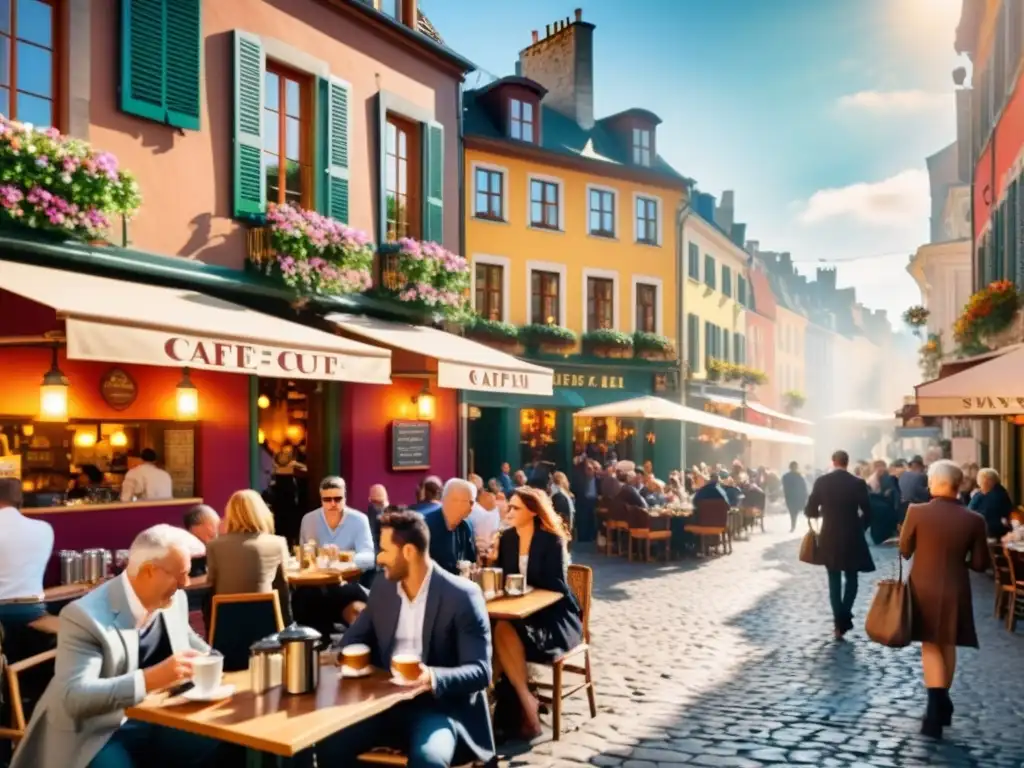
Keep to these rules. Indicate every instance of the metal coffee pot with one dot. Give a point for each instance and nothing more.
(301, 648)
(71, 571)
(265, 664)
(95, 565)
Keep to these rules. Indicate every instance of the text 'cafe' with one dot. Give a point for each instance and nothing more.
(97, 370)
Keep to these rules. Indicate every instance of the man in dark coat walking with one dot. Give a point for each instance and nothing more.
(794, 488)
(836, 498)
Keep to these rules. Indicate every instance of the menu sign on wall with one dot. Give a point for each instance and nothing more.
(180, 461)
(118, 389)
(410, 445)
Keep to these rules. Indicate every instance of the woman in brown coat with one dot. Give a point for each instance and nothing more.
(944, 538)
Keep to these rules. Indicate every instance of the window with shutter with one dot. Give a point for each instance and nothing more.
(433, 199)
(693, 343)
(249, 193)
(336, 139)
(161, 61)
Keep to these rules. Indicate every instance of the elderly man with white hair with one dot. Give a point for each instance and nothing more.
(126, 638)
(451, 535)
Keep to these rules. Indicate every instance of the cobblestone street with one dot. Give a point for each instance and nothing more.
(730, 662)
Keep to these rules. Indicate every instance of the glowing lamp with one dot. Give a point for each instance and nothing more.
(263, 401)
(118, 439)
(294, 432)
(53, 394)
(86, 438)
(426, 404)
(187, 398)
(28, 430)
(260, 436)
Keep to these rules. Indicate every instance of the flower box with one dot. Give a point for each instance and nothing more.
(652, 346)
(426, 275)
(608, 343)
(494, 333)
(547, 339)
(990, 317)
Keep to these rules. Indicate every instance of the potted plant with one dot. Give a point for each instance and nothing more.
(428, 275)
(716, 369)
(60, 185)
(794, 400)
(751, 377)
(917, 318)
(653, 346)
(930, 357)
(731, 371)
(987, 313)
(494, 333)
(606, 342)
(547, 339)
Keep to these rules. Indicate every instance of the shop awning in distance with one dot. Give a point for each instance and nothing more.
(994, 387)
(461, 363)
(118, 321)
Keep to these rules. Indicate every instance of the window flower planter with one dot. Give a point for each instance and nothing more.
(547, 339)
(426, 275)
(608, 343)
(60, 186)
(989, 313)
(651, 346)
(503, 336)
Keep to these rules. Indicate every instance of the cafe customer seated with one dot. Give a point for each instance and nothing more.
(451, 535)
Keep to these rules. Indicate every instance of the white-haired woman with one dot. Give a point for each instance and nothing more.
(993, 502)
(944, 537)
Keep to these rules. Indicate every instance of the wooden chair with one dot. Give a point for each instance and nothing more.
(617, 529)
(1004, 581)
(1015, 608)
(251, 616)
(18, 719)
(581, 581)
(711, 521)
(648, 529)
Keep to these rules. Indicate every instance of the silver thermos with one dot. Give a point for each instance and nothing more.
(71, 571)
(95, 565)
(301, 648)
(265, 664)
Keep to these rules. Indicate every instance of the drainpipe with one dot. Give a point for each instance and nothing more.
(463, 406)
(681, 216)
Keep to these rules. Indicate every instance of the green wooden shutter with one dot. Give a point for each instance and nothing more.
(336, 98)
(184, 56)
(433, 207)
(142, 58)
(250, 183)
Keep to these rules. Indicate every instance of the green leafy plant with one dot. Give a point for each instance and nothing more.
(539, 335)
(653, 345)
(606, 342)
(751, 377)
(428, 275)
(930, 357)
(492, 330)
(916, 317)
(794, 400)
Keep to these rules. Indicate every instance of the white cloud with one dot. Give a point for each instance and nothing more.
(891, 202)
(896, 102)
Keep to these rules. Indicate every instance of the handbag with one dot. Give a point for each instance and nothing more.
(890, 619)
(809, 546)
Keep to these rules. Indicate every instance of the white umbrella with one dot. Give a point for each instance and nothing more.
(862, 416)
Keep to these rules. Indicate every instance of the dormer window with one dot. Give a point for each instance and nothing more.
(642, 147)
(521, 120)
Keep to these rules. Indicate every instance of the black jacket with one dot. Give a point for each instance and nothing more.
(836, 498)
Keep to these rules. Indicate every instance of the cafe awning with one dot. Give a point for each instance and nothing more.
(117, 321)
(753, 405)
(461, 363)
(994, 387)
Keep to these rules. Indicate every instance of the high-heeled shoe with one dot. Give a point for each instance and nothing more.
(946, 708)
(931, 724)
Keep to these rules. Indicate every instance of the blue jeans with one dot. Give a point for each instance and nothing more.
(428, 737)
(136, 744)
(842, 599)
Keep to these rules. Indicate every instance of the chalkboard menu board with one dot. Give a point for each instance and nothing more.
(410, 445)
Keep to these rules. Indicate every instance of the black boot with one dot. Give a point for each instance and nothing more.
(946, 708)
(931, 725)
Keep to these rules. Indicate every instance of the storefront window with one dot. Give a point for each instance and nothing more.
(538, 434)
(601, 437)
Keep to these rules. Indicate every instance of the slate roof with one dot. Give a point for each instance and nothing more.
(423, 25)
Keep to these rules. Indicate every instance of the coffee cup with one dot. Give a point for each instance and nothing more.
(515, 584)
(207, 672)
(406, 666)
(356, 657)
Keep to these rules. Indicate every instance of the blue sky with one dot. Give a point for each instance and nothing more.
(818, 113)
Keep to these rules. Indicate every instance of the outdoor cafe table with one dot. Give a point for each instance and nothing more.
(276, 722)
(521, 606)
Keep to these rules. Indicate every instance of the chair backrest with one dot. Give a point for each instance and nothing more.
(712, 512)
(581, 582)
(19, 714)
(638, 517)
(1002, 564)
(247, 617)
(1013, 560)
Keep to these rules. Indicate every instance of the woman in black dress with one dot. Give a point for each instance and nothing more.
(535, 545)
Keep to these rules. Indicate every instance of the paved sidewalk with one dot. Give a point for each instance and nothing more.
(730, 662)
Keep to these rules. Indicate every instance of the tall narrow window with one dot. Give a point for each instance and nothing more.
(693, 343)
(602, 213)
(693, 261)
(646, 308)
(709, 270)
(544, 204)
(544, 298)
(286, 137)
(600, 303)
(489, 194)
(726, 281)
(489, 291)
(521, 120)
(402, 178)
(641, 147)
(28, 70)
(647, 221)
(741, 290)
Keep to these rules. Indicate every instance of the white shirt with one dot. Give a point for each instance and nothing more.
(485, 523)
(146, 482)
(409, 631)
(25, 549)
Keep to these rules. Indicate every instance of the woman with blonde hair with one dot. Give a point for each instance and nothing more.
(248, 556)
(536, 546)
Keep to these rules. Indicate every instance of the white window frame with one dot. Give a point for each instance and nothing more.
(615, 210)
(659, 301)
(639, 149)
(658, 224)
(547, 266)
(534, 109)
(504, 190)
(506, 268)
(604, 274)
(532, 177)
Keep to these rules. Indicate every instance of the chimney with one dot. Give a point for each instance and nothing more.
(724, 213)
(827, 279)
(786, 261)
(410, 13)
(535, 36)
(704, 204)
(738, 234)
(563, 62)
(753, 247)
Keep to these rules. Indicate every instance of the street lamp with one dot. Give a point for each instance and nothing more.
(53, 394)
(187, 398)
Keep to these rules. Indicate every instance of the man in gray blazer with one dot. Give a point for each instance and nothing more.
(124, 639)
(419, 609)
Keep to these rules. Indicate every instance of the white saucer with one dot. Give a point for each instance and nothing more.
(402, 682)
(511, 593)
(219, 693)
(347, 672)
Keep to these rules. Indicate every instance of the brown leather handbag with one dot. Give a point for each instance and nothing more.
(890, 619)
(809, 546)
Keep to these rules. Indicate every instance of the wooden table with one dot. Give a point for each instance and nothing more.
(316, 577)
(277, 722)
(521, 607)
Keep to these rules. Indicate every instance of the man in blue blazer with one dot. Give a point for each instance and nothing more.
(420, 609)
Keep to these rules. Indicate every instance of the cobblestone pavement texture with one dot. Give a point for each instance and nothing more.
(730, 661)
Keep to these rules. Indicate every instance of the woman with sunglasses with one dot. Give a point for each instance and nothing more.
(535, 545)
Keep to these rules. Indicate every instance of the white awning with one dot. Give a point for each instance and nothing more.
(865, 416)
(991, 388)
(753, 405)
(117, 321)
(461, 363)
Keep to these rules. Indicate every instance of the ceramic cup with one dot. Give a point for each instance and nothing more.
(356, 657)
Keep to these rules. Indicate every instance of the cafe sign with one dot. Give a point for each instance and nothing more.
(143, 346)
(481, 378)
(978, 405)
(589, 381)
(118, 389)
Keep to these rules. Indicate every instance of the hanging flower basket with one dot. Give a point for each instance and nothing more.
(916, 317)
(426, 275)
(652, 346)
(547, 339)
(987, 313)
(608, 343)
(930, 357)
(59, 185)
(494, 333)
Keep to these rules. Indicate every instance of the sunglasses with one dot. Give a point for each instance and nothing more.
(332, 499)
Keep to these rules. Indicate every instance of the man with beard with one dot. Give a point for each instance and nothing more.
(420, 610)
